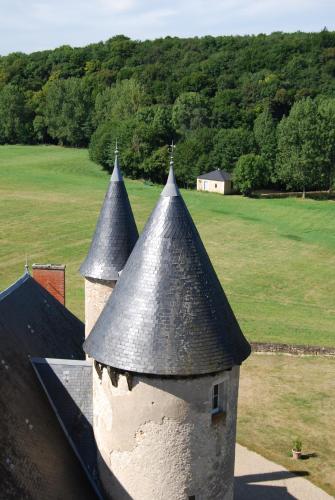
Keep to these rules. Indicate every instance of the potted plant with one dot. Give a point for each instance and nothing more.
(296, 449)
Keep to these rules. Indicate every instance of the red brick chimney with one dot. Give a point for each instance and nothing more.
(52, 278)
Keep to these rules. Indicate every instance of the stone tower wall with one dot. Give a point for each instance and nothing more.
(97, 293)
(160, 441)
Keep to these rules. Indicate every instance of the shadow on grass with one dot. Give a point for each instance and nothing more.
(306, 456)
(246, 489)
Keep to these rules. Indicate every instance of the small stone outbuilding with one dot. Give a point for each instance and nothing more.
(217, 181)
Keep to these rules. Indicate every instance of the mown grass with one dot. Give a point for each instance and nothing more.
(275, 257)
(284, 397)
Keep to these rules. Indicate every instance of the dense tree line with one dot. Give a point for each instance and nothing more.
(262, 106)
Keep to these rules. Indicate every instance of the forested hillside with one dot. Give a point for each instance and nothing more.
(263, 106)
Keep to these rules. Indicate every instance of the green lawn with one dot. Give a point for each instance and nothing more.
(275, 258)
(295, 398)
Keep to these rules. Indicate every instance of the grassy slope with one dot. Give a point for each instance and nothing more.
(275, 257)
(295, 398)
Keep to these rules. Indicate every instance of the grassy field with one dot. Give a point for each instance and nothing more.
(295, 398)
(275, 258)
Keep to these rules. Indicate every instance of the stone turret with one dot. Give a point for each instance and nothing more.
(167, 350)
(114, 238)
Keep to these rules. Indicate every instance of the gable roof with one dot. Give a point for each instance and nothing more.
(37, 460)
(216, 175)
(115, 234)
(168, 314)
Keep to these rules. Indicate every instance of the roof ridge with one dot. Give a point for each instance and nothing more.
(11, 288)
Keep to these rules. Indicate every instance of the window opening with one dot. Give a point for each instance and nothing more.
(215, 400)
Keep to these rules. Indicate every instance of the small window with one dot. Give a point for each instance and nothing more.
(219, 398)
(215, 401)
(216, 185)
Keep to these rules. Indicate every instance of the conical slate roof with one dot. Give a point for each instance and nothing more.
(115, 234)
(168, 314)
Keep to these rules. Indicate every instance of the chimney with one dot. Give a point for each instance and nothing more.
(52, 278)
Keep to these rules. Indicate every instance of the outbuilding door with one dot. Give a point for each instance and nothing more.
(205, 185)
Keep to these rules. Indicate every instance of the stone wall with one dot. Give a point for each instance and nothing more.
(160, 441)
(293, 349)
(97, 293)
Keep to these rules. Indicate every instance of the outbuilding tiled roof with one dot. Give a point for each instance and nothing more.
(115, 234)
(216, 175)
(168, 314)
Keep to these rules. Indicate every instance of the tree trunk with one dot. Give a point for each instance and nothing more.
(303, 193)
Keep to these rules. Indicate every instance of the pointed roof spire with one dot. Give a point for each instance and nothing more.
(116, 175)
(168, 314)
(171, 188)
(115, 234)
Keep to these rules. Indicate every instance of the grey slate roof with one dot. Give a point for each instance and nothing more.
(216, 175)
(36, 461)
(115, 234)
(168, 314)
(68, 386)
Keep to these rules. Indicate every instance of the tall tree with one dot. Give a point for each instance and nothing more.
(15, 116)
(119, 102)
(229, 145)
(300, 157)
(265, 136)
(190, 111)
(326, 110)
(251, 173)
(65, 108)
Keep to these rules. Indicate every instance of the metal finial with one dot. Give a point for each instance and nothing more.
(116, 149)
(171, 148)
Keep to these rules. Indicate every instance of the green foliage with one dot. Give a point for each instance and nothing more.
(155, 167)
(119, 102)
(151, 92)
(192, 156)
(15, 116)
(64, 109)
(251, 172)
(190, 111)
(228, 145)
(300, 157)
(297, 444)
(326, 111)
(265, 136)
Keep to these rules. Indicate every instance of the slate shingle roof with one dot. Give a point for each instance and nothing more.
(115, 234)
(168, 314)
(35, 459)
(216, 175)
(68, 386)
